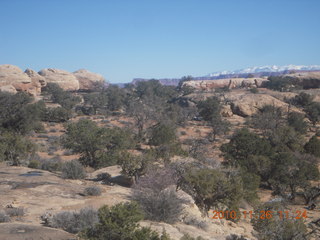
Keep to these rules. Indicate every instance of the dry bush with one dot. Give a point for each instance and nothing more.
(196, 222)
(51, 165)
(73, 170)
(14, 212)
(156, 195)
(92, 191)
(235, 237)
(4, 217)
(74, 222)
(188, 237)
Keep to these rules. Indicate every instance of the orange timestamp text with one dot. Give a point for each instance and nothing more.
(264, 214)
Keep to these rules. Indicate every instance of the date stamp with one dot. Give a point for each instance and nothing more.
(259, 215)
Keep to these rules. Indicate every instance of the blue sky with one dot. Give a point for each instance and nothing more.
(124, 39)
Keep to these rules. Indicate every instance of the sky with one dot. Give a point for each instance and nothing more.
(126, 39)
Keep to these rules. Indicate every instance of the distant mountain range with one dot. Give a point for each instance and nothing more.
(264, 71)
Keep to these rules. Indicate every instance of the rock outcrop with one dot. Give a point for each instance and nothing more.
(226, 111)
(64, 79)
(88, 80)
(249, 104)
(206, 85)
(36, 77)
(13, 79)
(8, 88)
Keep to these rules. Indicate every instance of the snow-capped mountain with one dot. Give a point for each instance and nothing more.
(264, 71)
(272, 68)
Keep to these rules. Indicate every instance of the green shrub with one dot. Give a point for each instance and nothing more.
(96, 145)
(117, 222)
(211, 188)
(277, 228)
(19, 114)
(313, 112)
(73, 170)
(313, 146)
(58, 114)
(15, 148)
(296, 121)
(283, 84)
(162, 134)
(244, 144)
(209, 108)
(302, 100)
(58, 95)
(133, 166)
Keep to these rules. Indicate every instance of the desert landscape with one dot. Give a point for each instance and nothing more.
(79, 144)
(159, 120)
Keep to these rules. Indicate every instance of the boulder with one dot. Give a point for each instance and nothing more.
(226, 111)
(36, 77)
(249, 104)
(88, 80)
(229, 83)
(13, 77)
(8, 88)
(66, 80)
(10, 74)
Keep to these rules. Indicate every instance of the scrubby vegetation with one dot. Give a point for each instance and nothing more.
(121, 222)
(220, 164)
(74, 222)
(157, 196)
(277, 225)
(97, 146)
(15, 212)
(72, 170)
(92, 191)
(4, 217)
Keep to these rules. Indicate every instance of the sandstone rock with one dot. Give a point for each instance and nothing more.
(226, 111)
(88, 80)
(8, 88)
(30, 88)
(17, 79)
(22, 231)
(249, 104)
(12, 74)
(64, 79)
(36, 77)
(230, 83)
